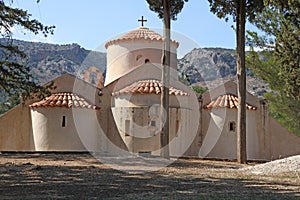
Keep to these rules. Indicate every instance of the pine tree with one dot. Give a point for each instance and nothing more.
(175, 7)
(240, 10)
(15, 76)
(279, 62)
(166, 9)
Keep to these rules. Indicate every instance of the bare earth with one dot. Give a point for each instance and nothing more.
(81, 176)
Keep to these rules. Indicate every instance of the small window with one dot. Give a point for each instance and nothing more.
(232, 126)
(152, 123)
(177, 127)
(93, 77)
(64, 121)
(127, 127)
(147, 60)
(145, 154)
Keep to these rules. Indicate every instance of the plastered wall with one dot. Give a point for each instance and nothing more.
(15, 130)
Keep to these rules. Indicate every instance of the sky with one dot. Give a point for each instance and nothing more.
(92, 23)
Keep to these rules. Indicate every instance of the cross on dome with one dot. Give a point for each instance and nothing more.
(142, 20)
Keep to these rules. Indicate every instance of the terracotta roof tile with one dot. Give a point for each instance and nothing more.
(138, 34)
(227, 101)
(148, 87)
(67, 100)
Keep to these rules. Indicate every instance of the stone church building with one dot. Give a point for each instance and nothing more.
(123, 113)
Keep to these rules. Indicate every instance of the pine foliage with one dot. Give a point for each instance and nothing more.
(175, 7)
(279, 61)
(15, 76)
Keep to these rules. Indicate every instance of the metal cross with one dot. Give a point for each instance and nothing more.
(142, 20)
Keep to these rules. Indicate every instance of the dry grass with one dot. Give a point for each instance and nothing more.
(73, 176)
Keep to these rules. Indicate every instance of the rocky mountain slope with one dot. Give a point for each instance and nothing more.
(207, 64)
(48, 61)
(211, 67)
(207, 67)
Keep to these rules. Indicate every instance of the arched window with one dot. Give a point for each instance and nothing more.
(93, 77)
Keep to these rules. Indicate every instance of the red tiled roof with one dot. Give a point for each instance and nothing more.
(140, 33)
(227, 101)
(148, 87)
(67, 100)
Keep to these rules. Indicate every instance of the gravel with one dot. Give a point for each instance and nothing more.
(290, 164)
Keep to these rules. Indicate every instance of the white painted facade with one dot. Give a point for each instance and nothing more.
(125, 55)
(138, 120)
(219, 137)
(54, 129)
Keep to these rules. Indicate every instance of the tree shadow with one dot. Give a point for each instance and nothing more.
(95, 181)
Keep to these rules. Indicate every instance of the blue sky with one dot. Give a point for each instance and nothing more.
(91, 23)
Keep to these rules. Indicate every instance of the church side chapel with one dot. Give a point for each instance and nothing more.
(123, 112)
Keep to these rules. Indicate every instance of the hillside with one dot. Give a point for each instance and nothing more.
(207, 67)
(207, 64)
(48, 61)
(210, 67)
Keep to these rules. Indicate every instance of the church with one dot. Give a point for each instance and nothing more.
(122, 114)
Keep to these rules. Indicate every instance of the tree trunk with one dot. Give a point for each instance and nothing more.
(165, 82)
(241, 79)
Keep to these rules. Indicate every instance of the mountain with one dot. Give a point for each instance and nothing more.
(47, 61)
(211, 67)
(207, 64)
(206, 67)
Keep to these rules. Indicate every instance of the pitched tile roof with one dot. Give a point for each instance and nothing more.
(138, 34)
(67, 100)
(227, 101)
(148, 87)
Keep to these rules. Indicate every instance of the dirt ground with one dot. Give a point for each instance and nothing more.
(81, 176)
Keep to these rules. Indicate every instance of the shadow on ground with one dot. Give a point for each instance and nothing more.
(25, 180)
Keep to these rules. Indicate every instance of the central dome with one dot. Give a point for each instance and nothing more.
(134, 49)
(141, 33)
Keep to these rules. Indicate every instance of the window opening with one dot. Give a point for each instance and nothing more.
(93, 77)
(177, 127)
(232, 126)
(152, 123)
(127, 127)
(63, 123)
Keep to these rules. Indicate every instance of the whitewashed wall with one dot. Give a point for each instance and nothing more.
(49, 135)
(220, 142)
(125, 56)
(137, 117)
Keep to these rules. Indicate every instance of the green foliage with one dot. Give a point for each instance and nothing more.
(199, 89)
(15, 76)
(183, 78)
(226, 8)
(175, 6)
(279, 62)
(9, 103)
(285, 110)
